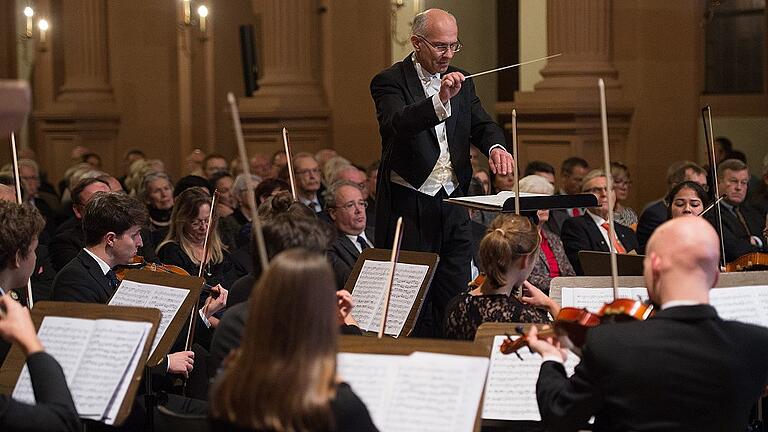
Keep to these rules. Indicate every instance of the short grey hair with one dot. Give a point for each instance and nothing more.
(149, 178)
(333, 189)
(592, 175)
(421, 22)
(536, 184)
(240, 185)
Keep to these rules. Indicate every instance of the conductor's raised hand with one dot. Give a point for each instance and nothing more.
(500, 161)
(181, 363)
(450, 85)
(545, 347)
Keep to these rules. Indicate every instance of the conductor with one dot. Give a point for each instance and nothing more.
(428, 116)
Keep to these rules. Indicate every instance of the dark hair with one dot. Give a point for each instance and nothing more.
(111, 212)
(572, 162)
(726, 144)
(22, 223)
(213, 156)
(288, 230)
(265, 189)
(80, 187)
(534, 167)
(700, 192)
(218, 175)
(738, 155)
(190, 181)
(475, 187)
(509, 237)
(86, 156)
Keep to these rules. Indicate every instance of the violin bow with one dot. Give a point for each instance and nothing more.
(609, 186)
(709, 135)
(517, 179)
(203, 262)
(17, 184)
(289, 159)
(391, 278)
(255, 220)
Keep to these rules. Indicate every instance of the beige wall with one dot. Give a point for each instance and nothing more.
(533, 40)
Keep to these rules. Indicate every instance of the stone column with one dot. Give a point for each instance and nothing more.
(290, 90)
(86, 68)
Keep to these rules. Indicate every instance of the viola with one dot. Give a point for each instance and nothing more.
(575, 322)
(753, 261)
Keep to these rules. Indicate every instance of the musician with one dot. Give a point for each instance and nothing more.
(55, 409)
(683, 369)
(742, 226)
(112, 223)
(428, 115)
(590, 231)
(284, 375)
(686, 199)
(655, 212)
(346, 206)
(307, 172)
(184, 246)
(507, 254)
(551, 261)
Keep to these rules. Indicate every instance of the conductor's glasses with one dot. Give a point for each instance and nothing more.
(352, 205)
(443, 48)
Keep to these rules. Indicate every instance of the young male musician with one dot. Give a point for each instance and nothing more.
(682, 369)
(55, 409)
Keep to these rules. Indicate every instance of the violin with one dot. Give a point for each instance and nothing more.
(139, 263)
(573, 323)
(753, 261)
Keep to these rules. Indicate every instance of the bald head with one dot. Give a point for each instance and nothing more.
(682, 259)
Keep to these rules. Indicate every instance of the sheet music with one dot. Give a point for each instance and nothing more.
(748, 304)
(594, 298)
(167, 299)
(95, 357)
(368, 294)
(422, 392)
(510, 391)
(66, 340)
(114, 405)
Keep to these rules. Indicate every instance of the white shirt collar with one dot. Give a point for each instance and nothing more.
(353, 239)
(598, 219)
(674, 303)
(424, 76)
(104, 266)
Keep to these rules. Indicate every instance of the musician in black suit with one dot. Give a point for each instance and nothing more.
(742, 225)
(346, 206)
(428, 116)
(112, 224)
(590, 231)
(683, 369)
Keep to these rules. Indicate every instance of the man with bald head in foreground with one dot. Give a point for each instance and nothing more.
(682, 369)
(428, 116)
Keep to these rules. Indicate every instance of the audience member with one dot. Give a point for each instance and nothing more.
(260, 166)
(346, 206)
(158, 196)
(621, 184)
(214, 163)
(572, 172)
(279, 162)
(502, 182)
(542, 169)
(308, 181)
(590, 231)
(226, 201)
(324, 155)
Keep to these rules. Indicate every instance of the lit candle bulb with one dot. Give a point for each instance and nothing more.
(43, 26)
(202, 12)
(29, 13)
(187, 6)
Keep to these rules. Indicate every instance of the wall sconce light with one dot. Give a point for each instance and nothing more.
(202, 12)
(43, 26)
(29, 13)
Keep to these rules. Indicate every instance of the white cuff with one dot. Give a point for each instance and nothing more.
(443, 111)
(552, 357)
(494, 146)
(205, 320)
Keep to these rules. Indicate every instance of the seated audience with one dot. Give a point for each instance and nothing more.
(678, 353)
(158, 196)
(742, 226)
(507, 254)
(686, 199)
(214, 163)
(226, 202)
(655, 213)
(590, 231)
(270, 187)
(284, 375)
(235, 229)
(346, 205)
(542, 169)
(621, 184)
(572, 172)
(260, 166)
(279, 162)
(502, 182)
(484, 178)
(307, 173)
(552, 260)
